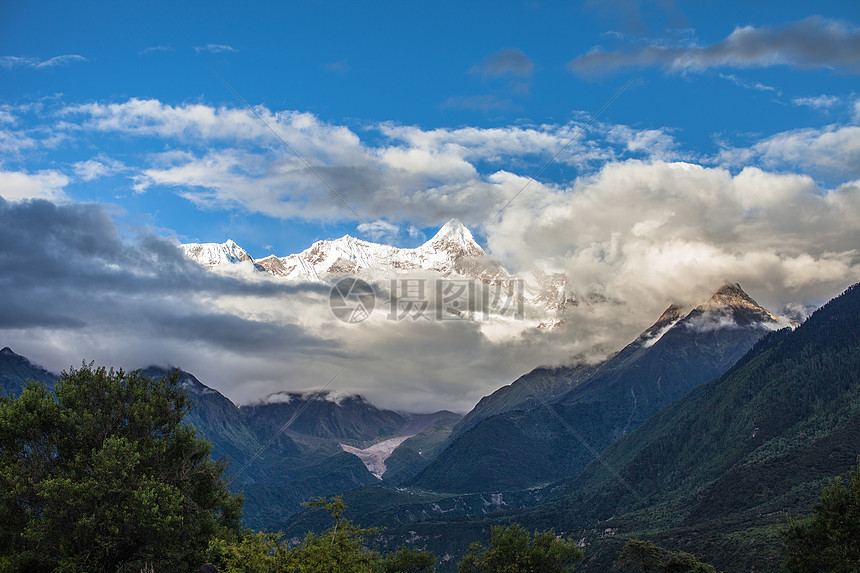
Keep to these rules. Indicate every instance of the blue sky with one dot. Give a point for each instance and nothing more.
(430, 65)
(733, 153)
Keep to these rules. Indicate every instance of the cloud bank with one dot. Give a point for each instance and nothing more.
(637, 225)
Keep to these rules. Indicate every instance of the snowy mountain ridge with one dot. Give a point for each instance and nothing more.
(453, 251)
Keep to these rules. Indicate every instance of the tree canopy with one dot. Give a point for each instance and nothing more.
(649, 557)
(513, 550)
(102, 475)
(829, 539)
(340, 549)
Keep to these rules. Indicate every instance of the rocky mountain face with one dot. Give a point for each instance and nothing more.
(512, 440)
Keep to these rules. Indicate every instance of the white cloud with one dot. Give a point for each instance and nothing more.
(380, 231)
(642, 232)
(215, 48)
(816, 102)
(154, 49)
(93, 169)
(637, 230)
(21, 185)
(233, 161)
(832, 151)
(758, 86)
(10, 62)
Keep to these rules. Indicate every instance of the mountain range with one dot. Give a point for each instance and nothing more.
(714, 473)
(550, 423)
(702, 434)
(451, 253)
(285, 449)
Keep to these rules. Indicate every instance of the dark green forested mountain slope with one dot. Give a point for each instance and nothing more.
(531, 446)
(275, 472)
(276, 465)
(15, 370)
(415, 453)
(715, 470)
(714, 473)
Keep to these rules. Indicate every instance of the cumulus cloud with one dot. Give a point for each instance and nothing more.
(21, 185)
(832, 151)
(10, 62)
(639, 229)
(93, 169)
(814, 42)
(70, 278)
(232, 160)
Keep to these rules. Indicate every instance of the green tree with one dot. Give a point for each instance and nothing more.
(683, 562)
(339, 549)
(513, 550)
(649, 557)
(644, 554)
(103, 475)
(408, 561)
(251, 552)
(829, 539)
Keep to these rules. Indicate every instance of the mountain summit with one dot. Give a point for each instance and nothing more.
(211, 254)
(600, 402)
(455, 238)
(451, 252)
(730, 304)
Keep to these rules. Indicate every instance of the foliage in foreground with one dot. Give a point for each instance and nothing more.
(513, 550)
(102, 475)
(829, 539)
(648, 557)
(339, 549)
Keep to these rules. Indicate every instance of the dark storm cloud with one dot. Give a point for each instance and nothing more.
(815, 42)
(66, 267)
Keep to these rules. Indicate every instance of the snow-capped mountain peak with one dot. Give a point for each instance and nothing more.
(450, 253)
(211, 254)
(455, 232)
(730, 305)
